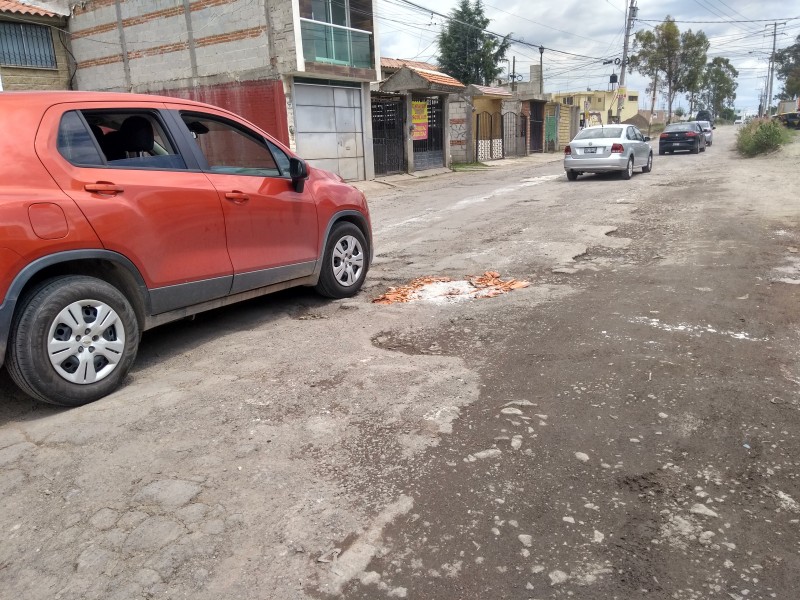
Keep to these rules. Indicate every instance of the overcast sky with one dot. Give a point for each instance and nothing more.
(595, 30)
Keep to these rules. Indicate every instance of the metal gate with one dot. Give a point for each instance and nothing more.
(429, 152)
(488, 136)
(387, 135)
(537, 126)
(515, 133)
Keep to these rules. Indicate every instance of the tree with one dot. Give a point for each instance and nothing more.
(788, 70)
(466, 50)
(672, 58)
(719, 89)
(693, 56)
(679, 112)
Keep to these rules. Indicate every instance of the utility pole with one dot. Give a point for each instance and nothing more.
(771, 69)
(541, 69)
(514, 74)
(630, 15)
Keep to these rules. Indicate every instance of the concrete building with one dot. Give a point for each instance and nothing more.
(299, 69)
(33, 47)
(603, 102)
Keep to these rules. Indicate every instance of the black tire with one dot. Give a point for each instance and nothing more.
(649, 166)
(628, 172)
(346, 242)
(37, 327)
(572, 175)
(696, 148)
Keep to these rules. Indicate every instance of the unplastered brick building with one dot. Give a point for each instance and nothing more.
(299, 69)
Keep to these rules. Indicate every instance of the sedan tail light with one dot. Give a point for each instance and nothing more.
(691, 134)
(664, 136)
(617, 149)
(567, 150)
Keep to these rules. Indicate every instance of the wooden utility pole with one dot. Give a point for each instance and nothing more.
(653, 103)
(771, 69)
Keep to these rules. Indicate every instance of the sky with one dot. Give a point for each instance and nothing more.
(595, 30)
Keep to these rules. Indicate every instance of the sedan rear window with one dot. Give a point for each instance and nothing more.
(598, 134)
(681, 127)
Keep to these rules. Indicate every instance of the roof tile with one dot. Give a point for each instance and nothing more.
(9, 6)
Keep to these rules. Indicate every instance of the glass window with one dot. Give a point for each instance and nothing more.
(26, 45)
(230, 148)
(76, 143)
(599, 133)
(133, 140)
(281, 158)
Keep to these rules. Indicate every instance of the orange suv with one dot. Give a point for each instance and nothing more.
(121, 212)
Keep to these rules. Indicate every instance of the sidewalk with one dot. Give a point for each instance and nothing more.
(399, 180)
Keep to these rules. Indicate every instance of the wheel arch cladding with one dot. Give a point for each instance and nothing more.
(102, 264)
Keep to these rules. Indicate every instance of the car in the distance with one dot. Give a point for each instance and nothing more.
(682, 136)
(708, 131)
(704, 115)
(604, 148)
(738, 121)
(121, 212)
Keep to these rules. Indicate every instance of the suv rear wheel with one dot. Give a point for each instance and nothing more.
(73, 341)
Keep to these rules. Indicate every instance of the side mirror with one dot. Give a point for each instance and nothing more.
(299, 173)
(646, 138)
(713, 127)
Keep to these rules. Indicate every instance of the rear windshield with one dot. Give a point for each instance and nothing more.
(597, 134)
(681, 127)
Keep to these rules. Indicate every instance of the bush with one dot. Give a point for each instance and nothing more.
(761, 136)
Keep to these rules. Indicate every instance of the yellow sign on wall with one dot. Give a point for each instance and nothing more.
(419, 119)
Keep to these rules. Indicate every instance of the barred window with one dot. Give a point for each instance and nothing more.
(26, 45)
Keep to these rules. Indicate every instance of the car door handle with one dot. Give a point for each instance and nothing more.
(104, 187)
(237, 197)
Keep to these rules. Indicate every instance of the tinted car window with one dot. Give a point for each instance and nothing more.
(229, 148)
(280, 157)
(597, 134)
(133, 140)
(76, 143)
(681, 127)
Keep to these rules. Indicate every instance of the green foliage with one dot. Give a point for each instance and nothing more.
(787, 62)
(727, 114)
(679, 112)
(676, 59)
(761, 136)
(719, 87)
(466, 51)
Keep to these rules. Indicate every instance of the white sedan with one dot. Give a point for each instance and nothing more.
(605, 148)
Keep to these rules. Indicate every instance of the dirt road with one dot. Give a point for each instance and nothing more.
(625, 427)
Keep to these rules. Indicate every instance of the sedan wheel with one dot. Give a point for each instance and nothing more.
(649, 166)
(628, 172)
(572, 175)
(73, 341)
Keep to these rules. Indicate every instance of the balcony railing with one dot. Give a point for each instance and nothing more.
(336, 45)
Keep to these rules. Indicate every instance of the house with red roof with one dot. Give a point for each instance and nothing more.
(34, 47)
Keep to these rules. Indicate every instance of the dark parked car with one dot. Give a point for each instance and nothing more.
(682, 136)
(121, 212)
(705, 115)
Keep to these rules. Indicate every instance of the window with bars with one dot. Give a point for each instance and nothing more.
(26, 45)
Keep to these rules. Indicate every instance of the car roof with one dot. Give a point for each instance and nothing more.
(53, 97)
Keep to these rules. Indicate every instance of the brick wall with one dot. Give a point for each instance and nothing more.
(167, 46)
(25, 78)
(460, 113)
(261, 102)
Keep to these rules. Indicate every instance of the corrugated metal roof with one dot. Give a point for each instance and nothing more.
(399, 63)
(9, 6)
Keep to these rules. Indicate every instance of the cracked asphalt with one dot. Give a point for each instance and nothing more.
(625, 427)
